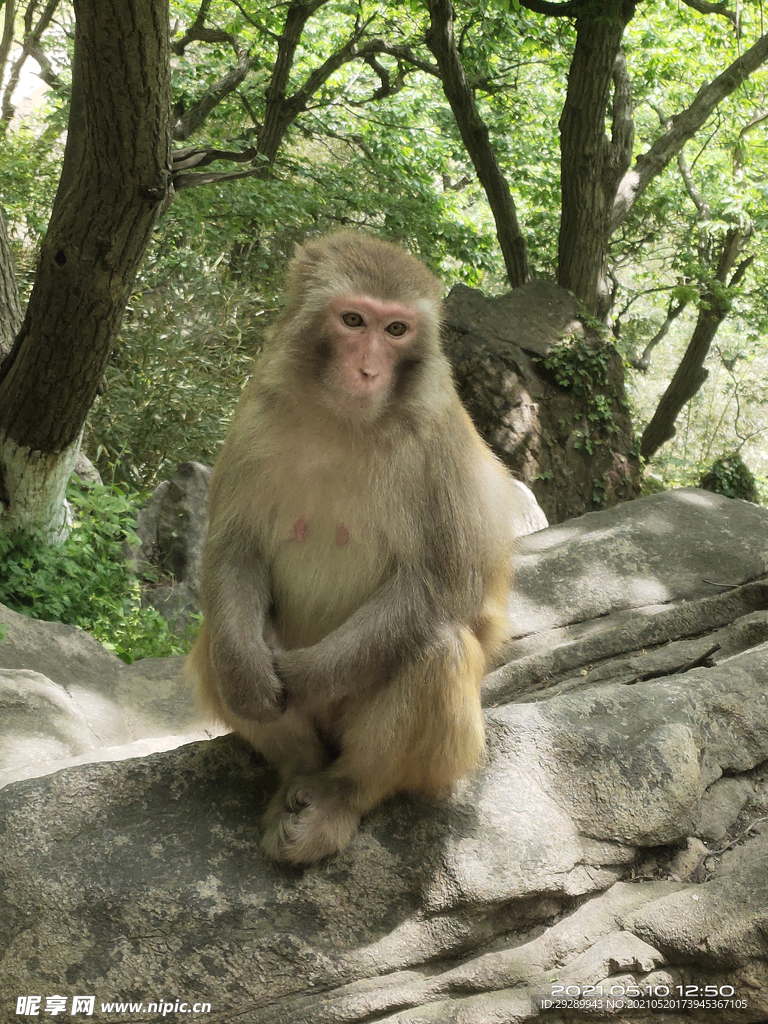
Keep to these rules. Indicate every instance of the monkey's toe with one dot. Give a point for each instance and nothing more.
(309, 835)
(302, 793)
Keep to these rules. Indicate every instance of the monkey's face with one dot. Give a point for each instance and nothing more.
(366, 345)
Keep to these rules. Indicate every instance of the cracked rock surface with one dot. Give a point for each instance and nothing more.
(609, 861)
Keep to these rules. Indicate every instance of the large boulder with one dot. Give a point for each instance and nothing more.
(572, 445)
(610, 859)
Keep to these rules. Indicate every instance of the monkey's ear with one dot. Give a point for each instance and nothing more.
(303, 268)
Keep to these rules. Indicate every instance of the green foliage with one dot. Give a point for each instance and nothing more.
(652, 485)
(184, 353)
(581, 365)
(85, 580)
(730, 476)
(397, 165)
(672, 471)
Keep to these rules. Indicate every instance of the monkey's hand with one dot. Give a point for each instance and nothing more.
(236, 599)
(367, 650)
(248, 683)
(303, 676)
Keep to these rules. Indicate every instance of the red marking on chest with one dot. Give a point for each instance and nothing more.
(300, 530)
(342, 535)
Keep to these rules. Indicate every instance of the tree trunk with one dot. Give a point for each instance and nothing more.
(591, 165)
(691, 373)
(114, 181)
(474, 134)
(10, 308)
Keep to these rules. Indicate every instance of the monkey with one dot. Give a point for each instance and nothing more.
(359, 556)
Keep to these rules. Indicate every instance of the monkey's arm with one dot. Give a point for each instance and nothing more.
(236, 598)
(383, 636)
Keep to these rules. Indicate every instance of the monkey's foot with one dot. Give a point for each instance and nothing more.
(310, 820)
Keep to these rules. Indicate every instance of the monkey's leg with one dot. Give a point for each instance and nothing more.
(421, 733)
(293, 746)
(291, 743)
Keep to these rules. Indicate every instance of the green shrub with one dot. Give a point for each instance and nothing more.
(730, 476)
(85, 580)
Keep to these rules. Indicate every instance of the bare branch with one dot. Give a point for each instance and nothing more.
(684, 126)
(703, 7)
(697, 198)
(196, 34)
(32, 35)
(643, 363)
(184, 159)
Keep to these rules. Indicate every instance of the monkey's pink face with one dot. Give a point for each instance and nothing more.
(371, 343)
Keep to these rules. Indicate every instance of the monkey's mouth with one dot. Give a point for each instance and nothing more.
(360, 401)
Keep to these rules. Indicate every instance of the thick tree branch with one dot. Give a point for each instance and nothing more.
(182, 181)
(698, 200)
(569, 9)
(48, 75)
(704, 7)
(714, 306)
(281, 112)
(320, 75)
(185, 159)
(402, 53)
(474, 133)
(6, 40)
(200, 34)
(100, 225)
(281, 109)
(198, 26)
(684, 126)
(622, 124)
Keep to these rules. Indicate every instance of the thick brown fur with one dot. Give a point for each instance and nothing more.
(357, 566)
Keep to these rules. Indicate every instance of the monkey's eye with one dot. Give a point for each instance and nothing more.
(353, 320)
(397, 329)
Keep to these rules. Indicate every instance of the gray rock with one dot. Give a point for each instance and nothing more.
(586, 568)
(85, 469)
(615, 837)
(721, 805)
(529, 517)
(172, 528)
(81, 703)
(529, 414)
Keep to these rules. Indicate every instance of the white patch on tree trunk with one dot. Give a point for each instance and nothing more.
(38, 484)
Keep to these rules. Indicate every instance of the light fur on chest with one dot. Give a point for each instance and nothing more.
(329, 537)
